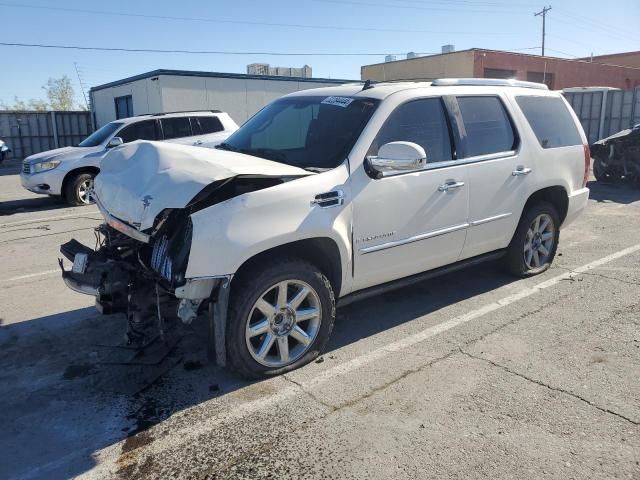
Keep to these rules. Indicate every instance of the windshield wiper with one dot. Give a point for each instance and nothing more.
(266, 153)
(227, 146)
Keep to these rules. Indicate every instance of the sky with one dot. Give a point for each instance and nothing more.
(575, 28)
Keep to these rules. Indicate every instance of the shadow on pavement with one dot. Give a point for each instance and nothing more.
(613, 192)
(68, 388)
(41, 203)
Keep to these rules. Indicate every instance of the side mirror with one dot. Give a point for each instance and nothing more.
(395, 158)
(115, 142)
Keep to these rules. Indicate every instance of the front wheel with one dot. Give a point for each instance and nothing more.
(78, 189)
(280, 318)
(535, 242)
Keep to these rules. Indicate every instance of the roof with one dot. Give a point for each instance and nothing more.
(190, 113)
(240, 76)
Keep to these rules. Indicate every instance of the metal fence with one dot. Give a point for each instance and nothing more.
(30, 132)
(605, 112)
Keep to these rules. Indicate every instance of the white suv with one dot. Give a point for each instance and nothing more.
(69, 171)
(331, 195)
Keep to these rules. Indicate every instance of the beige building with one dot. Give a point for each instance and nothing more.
(456, 64)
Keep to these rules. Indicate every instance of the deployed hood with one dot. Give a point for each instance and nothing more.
(61, 153)
(140, 179)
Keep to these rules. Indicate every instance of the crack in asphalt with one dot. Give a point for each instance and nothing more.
(45, 235)
(628, 282)
(550, 387)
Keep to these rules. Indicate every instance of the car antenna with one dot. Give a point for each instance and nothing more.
(367, 85)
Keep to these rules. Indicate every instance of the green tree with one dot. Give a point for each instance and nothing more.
(60, 93)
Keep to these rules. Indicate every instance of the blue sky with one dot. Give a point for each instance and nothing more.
(574, 27)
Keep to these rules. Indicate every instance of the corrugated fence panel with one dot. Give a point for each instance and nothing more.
(30, 132)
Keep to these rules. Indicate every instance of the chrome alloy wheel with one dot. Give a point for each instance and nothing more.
(283, 323)
(84, 191)
(538, 244)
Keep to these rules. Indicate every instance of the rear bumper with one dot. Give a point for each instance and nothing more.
(577, 203)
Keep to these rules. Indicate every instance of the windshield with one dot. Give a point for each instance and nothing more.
(100, 135)
(315, 132)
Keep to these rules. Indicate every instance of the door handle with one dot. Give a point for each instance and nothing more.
(521, 171)
(198, 142)
(445, 187)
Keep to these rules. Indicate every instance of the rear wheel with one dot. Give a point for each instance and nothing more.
(78, 189)
(535, 242)
(280, 318)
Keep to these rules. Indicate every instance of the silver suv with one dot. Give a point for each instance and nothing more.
(69, 171)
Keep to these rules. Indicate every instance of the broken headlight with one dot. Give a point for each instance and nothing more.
(170, 252)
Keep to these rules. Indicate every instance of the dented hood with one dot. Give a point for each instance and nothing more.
(140, 179)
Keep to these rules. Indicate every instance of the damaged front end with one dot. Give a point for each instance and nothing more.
(617, 157)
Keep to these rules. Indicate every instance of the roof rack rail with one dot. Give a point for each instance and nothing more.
(491, 82)
(183, 111)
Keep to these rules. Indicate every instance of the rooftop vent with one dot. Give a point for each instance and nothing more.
(448, 48)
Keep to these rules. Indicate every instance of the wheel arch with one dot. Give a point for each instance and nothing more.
(73, 173)
(323, 252)
(555, 195)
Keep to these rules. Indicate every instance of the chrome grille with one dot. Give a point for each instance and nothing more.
(160, 260)
(26, 168)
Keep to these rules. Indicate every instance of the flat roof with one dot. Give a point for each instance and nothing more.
(242, 76)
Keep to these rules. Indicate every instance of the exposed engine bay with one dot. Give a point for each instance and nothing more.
(144, 278)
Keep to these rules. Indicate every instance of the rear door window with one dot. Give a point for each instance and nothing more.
(145, 130)
(550, 120)
(205, 125)
(176, 127)
(422, 122)
(487, 125)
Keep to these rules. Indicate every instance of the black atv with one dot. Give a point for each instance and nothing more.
(617, 157)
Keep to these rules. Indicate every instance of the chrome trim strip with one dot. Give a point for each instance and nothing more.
(416, 238)
(482, 221)
(121, 226)
(465, 161)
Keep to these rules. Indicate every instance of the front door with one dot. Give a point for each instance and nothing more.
(413, 222)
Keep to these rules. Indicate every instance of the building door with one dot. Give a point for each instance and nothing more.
(124, 107)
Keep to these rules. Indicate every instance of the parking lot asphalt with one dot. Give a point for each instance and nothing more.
(472, 375)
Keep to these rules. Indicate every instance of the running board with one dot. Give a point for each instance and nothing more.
(419, 277)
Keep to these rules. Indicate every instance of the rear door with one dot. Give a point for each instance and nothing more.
(208, 131)
(500, 176)
(177, 130)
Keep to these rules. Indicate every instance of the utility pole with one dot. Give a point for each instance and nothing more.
(82, 84)
(543, 13)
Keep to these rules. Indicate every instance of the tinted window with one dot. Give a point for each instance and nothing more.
(422, 122)
(487, 126)
(310, 132)
(176, 127)
(204, 125)
(146, 130)
(550, 120)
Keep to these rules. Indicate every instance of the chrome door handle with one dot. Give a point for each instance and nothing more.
(198, 142)
(445, 187)
(521, 171)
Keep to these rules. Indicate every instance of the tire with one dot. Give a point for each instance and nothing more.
(256, 352)
(603, 174)
(76, 193)
(520, 259)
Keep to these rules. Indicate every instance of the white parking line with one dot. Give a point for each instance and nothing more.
(31, 275)
(109, 455)
(48, 219)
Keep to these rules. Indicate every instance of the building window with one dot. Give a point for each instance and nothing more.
(499, 73)
(124, 106)
(541, 77)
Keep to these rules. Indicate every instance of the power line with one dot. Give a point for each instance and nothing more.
(453, 8)
(244, 22)
(204, 52)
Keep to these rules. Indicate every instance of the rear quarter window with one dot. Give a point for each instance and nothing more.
(550, 120)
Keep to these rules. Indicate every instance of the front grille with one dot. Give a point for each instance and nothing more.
(26, 168)
(160, 260)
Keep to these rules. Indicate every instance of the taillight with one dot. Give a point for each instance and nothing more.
(587, 165)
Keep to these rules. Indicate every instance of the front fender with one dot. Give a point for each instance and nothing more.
(228, 234)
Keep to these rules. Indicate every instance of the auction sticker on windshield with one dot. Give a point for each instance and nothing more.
(338, 101)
